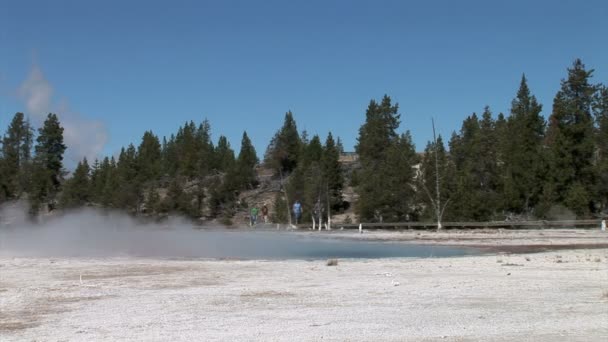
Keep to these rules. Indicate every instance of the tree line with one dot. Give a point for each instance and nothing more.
(519, 166)
(499, 167)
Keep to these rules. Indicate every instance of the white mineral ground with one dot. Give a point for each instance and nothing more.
(494, 239)
(550, 296)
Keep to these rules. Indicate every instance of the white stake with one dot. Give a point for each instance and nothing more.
(360, 228)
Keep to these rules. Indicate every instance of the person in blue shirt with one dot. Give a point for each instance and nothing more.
(297, 211)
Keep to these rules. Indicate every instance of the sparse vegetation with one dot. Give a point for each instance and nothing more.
(332, 262)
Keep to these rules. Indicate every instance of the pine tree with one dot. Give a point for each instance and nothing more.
(97, 180)
(523, 153)
(600, 109)
(16, 152)
(111, 183)
(48, 164)
(283, 151)
(224, 155)
(77, 190)
(206, 148)
(332, 172)
(188, 158)
(488, 168)
(245, 165)
(279, 214)
(400, 175)
(149, 159)
(464, 150)
(570, 140)
(129, 193)
(170, 158)
(385, 171)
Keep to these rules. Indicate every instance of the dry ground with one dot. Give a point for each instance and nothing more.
(559, 295)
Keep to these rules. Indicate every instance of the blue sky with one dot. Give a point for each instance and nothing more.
(113, 69)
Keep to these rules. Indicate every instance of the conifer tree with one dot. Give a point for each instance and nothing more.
(399, 173)
(523, 153)
(77, 190)
(48, 164)
(464, 150)
(206, 149)
(245, 165)
(332, 172)
(148, 158)
(129, 193)
(188, 162)
(279, 214)
(385, 165)
(108, 183)
(600, 109)
(16, 155)
(224, 155)
(570, 140)
(283, 151)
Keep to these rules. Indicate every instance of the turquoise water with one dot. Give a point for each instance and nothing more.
(84, 241)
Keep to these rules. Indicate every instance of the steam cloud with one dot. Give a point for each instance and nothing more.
(84, 137)
(95, 233)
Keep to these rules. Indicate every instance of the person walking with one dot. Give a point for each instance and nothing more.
(254, 216)
(297, 211)
(265, 213)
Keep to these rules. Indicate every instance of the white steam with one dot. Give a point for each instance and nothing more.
(84, 136)
(97, 233)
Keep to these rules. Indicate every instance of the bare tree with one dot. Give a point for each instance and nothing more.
(436, 202)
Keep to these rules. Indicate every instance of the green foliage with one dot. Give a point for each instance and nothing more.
(570, 139)
(16, 157)
(243, 174)
(495, 167)
(148, 160)
(284, 149)
(129, 191)
(600, 110)
(77, 190)
(386, 177)
(280, 209)
(427, 180)
(47, 171)
(476, 193)
(523, 153)
(332, 171)
(224, 155)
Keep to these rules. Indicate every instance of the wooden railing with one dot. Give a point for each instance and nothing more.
(588, 224)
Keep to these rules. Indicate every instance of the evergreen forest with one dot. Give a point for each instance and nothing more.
(530, 163)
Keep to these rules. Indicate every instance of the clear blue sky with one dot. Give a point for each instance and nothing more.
(141, 65)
